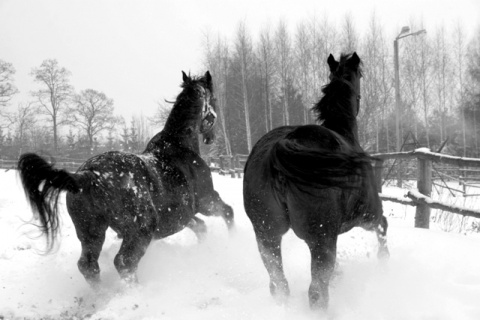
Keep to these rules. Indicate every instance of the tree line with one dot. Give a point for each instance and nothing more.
(274, 77)
(269, 79)
(64, 123)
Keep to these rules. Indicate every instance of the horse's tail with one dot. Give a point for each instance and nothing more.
(291, 162)
(43, 184)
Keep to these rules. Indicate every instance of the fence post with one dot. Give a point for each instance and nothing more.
(378, 169)
(237, 165)
(232, 167)
(424, 185)
(222, 165)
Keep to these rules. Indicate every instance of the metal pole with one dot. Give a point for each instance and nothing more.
(397, 109)
(397, 95)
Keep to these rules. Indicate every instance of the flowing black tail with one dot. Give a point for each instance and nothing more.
(314, 167)
(43, 184)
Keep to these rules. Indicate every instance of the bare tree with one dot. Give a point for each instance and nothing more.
(304, 60)
(55, 93)
(323, 42)
(143, 130)
(371, 94)
(349, 34)
(7, 88)
(22, 121)
(92, 113)
(161, 114)
(217, 61)
(410, 71)
(442, 76)
(459, 50)
(244, 51)
(284, 64)
(472, 96)
(266, 54)
(425, 65)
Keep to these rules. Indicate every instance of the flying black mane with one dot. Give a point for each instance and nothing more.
(186, 108)
(335, 106)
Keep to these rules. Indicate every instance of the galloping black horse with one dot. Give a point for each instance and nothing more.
(317, 180)
(142, 197)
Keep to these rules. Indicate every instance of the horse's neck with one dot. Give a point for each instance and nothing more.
(179, 131)
(165, 139)
(346, 126)
(347, 130)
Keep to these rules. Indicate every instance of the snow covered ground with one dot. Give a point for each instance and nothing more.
(431, 274)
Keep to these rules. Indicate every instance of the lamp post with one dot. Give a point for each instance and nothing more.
(405, 32)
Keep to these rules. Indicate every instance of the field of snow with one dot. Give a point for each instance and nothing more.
(431, 274)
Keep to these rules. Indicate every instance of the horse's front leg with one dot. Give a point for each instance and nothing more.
(271, 253)
(323, 252)
(381, 232)
(214, 205)
(199, 227)
(133, 248)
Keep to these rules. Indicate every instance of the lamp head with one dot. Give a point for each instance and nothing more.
(405, 29)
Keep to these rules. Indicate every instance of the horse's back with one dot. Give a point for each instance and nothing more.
(271, 196)
(310, 136)
(127, 190)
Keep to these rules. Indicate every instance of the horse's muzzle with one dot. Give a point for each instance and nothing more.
(208, 122)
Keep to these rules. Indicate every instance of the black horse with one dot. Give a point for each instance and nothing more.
(142, 197)
(317, 180)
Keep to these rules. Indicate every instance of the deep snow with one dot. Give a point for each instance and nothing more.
(430, 275)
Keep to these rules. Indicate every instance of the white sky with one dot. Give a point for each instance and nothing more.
(134, 50)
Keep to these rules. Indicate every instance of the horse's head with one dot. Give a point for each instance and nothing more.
(347, 70)
(204, 99)
(338, 108)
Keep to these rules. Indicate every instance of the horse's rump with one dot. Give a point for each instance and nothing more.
(309, 156)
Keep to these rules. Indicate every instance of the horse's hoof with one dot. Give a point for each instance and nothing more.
(94, 281)
(232, 229)
(318, 301)
(280, 292)
(383, 253)
(130, 280)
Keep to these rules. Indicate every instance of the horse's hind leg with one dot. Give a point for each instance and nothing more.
(134, 246)
(271, 253)
(323, 255)
(381, 232)
(214, 205)
(91, 233)
(199, 227)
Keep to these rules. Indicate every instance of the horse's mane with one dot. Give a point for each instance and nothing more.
(335, 103)
(184, 112)
(198, 79)
(185, 109)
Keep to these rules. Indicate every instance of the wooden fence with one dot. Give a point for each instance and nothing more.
(228, 165)
(421, 199)
(67, 165)
(225, 165)
(233, 166)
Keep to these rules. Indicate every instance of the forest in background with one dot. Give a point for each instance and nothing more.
(271, 78)
(274, 77)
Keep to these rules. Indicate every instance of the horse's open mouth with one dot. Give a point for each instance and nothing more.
(208, 140)
(208, 122)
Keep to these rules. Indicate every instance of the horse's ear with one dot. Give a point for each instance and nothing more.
(208, 77)
(332, 63)
(354, 61)
(185, 77)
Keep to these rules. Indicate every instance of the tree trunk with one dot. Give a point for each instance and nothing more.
(246, 106)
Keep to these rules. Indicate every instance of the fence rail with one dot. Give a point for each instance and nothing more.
(233, 165)
(224, 164)
(421, 199)
(228, 164)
